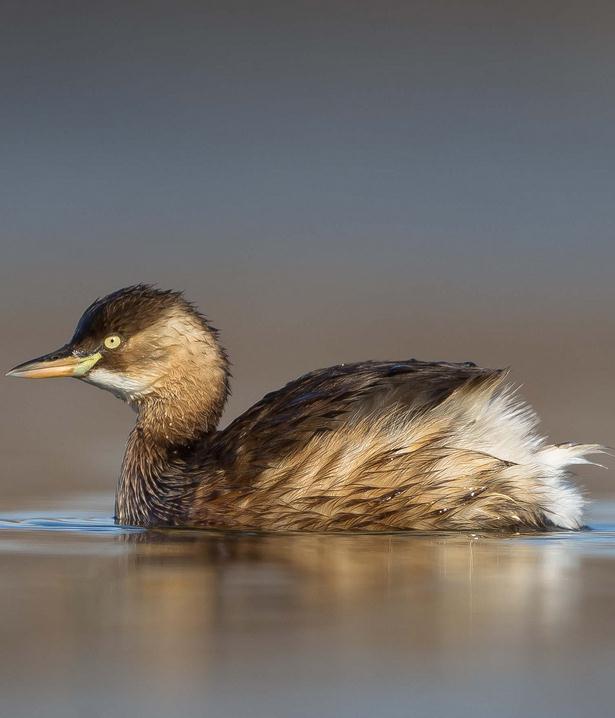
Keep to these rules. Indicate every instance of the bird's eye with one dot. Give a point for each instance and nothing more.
(112, 342)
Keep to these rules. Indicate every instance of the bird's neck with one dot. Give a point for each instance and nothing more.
(156, 485)
(154, 488)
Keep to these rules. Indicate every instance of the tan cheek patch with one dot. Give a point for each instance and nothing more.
(162, 349)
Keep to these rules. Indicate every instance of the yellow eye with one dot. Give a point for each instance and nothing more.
(112, 342)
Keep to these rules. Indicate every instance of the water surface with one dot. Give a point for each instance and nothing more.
(103, 621)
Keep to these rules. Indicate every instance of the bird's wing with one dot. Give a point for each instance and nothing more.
(322, 400)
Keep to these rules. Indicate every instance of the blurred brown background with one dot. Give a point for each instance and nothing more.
(329, 181)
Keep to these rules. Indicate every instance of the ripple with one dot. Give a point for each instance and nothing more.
(42, 521)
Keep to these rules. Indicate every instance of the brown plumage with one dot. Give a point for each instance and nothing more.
(369, 446)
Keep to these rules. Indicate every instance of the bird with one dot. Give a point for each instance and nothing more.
(369, 446)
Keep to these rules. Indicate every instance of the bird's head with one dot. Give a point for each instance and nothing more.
(142, 344)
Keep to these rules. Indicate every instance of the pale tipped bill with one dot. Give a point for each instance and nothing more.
(63, 362)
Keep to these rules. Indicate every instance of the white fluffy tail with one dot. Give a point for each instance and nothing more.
(565, 503)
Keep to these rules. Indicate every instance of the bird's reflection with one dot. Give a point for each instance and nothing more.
(439, 584)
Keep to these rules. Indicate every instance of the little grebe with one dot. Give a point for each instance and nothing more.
(377, 445)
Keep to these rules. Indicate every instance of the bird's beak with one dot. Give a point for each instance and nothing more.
(59, 363)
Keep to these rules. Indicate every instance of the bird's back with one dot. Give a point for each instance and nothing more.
(322, 401)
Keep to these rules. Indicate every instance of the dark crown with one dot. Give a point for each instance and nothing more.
(128, 311)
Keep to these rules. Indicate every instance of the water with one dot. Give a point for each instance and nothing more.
(101, 621)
